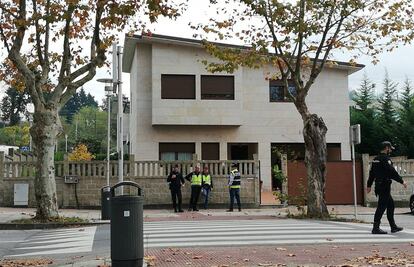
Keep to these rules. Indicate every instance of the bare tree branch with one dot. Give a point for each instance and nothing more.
(67, 57)
(6, 9)
(97, 57)
(3, 36)
(37, 33)
(15, 57)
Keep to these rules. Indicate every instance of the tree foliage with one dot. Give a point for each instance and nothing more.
(364, 96)
(17, 135)
(53, 48)
(13, 106)
(297, 39)
(80, 153)
(375, 128)
(76, 102)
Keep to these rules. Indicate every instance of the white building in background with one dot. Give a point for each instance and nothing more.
(178, 108)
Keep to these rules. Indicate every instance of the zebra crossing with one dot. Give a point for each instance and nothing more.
(261, 232)
(57, 241)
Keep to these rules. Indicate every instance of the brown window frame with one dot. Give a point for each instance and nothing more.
(216, 96)
(166, 94)
(279, 83)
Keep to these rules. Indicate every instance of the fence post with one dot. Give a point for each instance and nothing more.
(194, 161)
(131, 165)
(257, 180)
(1, 165)
(284, 167)
(365, 174)
(65, 165)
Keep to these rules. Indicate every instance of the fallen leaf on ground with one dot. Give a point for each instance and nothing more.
(197, 257)
(291, 255)
(25, 262)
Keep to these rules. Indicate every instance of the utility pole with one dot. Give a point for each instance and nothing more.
(117, 78)
(355, 138)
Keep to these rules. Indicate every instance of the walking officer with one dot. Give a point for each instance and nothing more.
(176, 181)
(382, 173)
(234, 186)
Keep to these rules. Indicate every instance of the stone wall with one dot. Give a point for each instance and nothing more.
(400, 195)
(155, 190)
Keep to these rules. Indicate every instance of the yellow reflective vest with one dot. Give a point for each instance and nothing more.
(196, 179)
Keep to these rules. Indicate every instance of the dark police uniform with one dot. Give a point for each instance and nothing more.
(382, 173)
(175, 187)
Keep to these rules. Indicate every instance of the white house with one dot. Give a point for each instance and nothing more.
(178, 108)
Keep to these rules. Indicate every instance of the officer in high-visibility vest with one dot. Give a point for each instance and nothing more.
(196, 179)
(207, 185)
(234, 186)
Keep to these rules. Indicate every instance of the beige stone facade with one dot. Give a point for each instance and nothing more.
(249, 119)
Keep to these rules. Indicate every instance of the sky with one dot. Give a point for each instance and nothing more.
(399, 63)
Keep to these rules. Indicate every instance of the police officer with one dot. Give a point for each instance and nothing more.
(234, 186)
(176, 180)
(207, 185)
(195, 178)
(383, 172)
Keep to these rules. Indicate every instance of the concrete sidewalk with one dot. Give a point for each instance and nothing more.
(8, 214)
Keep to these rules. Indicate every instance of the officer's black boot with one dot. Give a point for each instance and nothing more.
(395, 228)
(376, 230)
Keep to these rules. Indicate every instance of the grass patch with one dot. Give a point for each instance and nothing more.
(59, 220)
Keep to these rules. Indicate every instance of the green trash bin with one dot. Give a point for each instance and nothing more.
(105, 202)
(127, 228)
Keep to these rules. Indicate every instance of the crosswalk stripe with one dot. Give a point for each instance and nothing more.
(258, 232)
(73, 240)
(245, 233)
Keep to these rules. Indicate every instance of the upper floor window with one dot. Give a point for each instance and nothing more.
(176, 151)
(279, 93)
(217, 87)
(177, 86)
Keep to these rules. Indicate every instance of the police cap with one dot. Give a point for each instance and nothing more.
(387, 144)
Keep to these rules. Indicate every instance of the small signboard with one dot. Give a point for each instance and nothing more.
(71, 179)
(355, 134)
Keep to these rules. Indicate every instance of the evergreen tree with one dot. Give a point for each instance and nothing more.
(76, 102)
(387, 118)
(364, 95)
(386, 101)
(364, 114)
(406, 121)
(13, 105)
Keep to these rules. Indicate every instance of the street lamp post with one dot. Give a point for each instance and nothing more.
(108, 93)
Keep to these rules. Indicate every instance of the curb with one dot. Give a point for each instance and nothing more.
(32, 226)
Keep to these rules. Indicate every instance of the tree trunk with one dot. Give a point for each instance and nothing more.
(314, 133)
(44, 132)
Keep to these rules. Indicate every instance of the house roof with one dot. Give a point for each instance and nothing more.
(131, 42)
